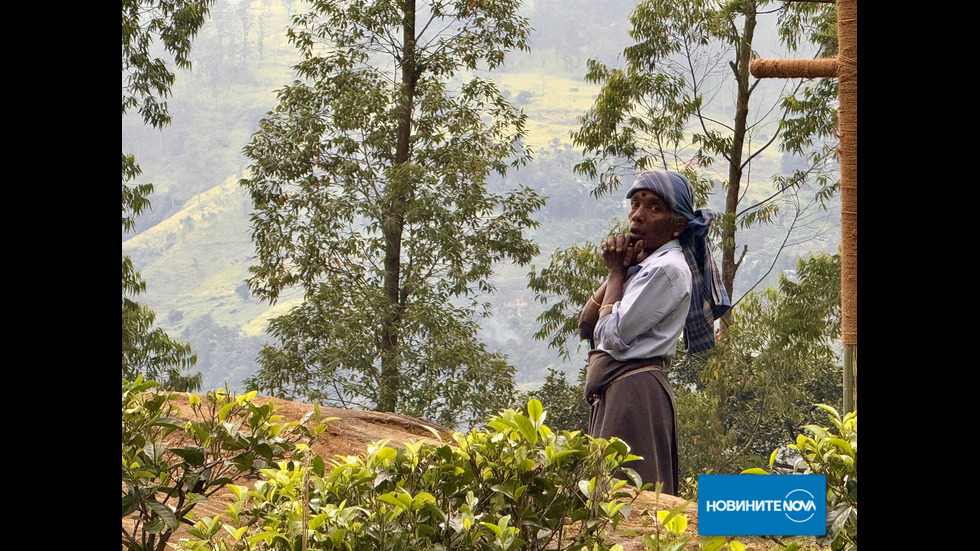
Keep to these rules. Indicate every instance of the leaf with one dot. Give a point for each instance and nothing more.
(154, 451)
(400, 499)
(130, 502)
(225, 410)
(193, 456)
(534, 411)
(634, 476)
(673, 520)
(526, 429)
(711, 543)
(421, 499)
(164, 513)
(435, 433)
(836, 519)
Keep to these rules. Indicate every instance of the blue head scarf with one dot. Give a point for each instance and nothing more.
(709, 300)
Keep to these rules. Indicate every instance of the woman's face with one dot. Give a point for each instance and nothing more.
(651, 220)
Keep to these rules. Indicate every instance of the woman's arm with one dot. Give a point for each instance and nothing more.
(618, 254)
(590, 313)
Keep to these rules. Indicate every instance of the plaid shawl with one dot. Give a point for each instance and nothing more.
(709, 300)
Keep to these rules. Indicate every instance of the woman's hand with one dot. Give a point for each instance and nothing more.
(614, 251)
(639, 255)
(618, 253)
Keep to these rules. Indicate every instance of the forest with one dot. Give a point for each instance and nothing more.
(319, 208)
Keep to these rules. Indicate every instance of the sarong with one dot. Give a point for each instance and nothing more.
(634, 401)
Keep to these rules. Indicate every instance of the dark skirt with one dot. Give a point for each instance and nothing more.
(634, 401)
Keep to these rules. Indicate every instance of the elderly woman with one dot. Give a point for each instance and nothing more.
(662, 283)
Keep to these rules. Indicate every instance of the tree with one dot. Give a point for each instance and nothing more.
(667, 110)
(146, 84)
(372, 193)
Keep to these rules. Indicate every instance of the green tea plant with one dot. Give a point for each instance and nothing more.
(832, 451)
(669, 527)
(513, 485)
(169, 466)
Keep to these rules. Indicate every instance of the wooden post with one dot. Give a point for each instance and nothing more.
(847, 77)
(844, 68)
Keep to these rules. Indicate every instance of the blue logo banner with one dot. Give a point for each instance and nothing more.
(762, 505)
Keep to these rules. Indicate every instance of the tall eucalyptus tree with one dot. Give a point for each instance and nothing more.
(370, 187)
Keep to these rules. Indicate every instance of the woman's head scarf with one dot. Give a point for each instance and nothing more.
(709, 300)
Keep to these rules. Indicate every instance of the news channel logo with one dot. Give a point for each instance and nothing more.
(762, 505)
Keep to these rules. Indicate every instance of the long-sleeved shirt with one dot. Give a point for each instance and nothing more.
(650, 318)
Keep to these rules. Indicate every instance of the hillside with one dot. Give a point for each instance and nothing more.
(354, 431)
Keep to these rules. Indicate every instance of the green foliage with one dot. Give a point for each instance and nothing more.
(720, 543)
(513, 485)
(804, 21)
(669, 528)
(781, 358)
(667, 110)
(371, 187)
(642, 117)
(832, 452)
(146, 350)
(569, 279)
(147, 25)
(169, 466)
(684, 101)
(134, 199)
(325, 355)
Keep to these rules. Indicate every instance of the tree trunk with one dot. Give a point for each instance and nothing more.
(741, 67)
(728, 228)
(393, 221)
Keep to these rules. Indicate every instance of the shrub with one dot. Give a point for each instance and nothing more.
(513, 485)
(169, 466)
(832, 452)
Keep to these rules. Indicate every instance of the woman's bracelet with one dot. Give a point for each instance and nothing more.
(594, 302)
(605, 306)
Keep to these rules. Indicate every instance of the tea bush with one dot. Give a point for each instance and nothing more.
(832, 451)
(169, 466)
(512, 485)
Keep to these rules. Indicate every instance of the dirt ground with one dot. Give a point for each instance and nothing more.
(354, 431)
